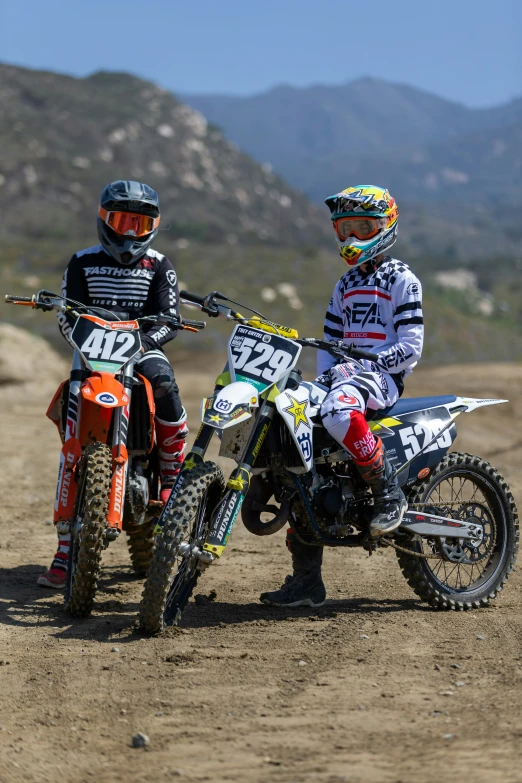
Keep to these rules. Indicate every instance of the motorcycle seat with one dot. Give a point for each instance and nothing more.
(410, 405)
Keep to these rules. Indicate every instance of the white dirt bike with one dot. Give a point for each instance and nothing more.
(457, 543)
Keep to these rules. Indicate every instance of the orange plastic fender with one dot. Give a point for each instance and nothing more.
(152, 408)
(103, 389)
(54, 411)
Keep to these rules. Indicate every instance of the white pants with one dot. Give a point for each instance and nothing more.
(364, 390)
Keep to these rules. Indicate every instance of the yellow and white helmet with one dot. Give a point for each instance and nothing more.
(365, 219)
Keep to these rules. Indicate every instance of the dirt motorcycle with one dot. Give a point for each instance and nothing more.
(457, 542)
(108, 477)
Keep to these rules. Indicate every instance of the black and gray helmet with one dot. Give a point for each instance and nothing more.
(126, 196)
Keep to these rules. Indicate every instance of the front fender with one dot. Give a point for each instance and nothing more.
(230, 406)
(103, 389)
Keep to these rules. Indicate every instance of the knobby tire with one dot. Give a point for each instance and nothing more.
(85, 552)
(418, 572)
(203, 488)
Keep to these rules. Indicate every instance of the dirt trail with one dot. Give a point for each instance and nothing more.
(372, 687)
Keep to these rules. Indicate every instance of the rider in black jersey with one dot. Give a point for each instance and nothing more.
(125, 275)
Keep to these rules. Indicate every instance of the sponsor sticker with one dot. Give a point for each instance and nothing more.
(106, 398)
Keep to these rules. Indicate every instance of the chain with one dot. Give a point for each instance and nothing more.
(410, 552)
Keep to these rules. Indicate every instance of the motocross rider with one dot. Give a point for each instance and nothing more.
(124, 275)
(376, 305)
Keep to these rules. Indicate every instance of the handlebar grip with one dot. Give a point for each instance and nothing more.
(362, 354)
(194, 324)
(19, 299)
(192, 297)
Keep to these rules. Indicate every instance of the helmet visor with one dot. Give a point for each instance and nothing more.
(129, 224)
(359, 227)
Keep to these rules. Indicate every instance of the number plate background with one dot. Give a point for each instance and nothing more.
(105, 350)
(260, 358)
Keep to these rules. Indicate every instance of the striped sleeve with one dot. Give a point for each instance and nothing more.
(408, 322)
(333, 330)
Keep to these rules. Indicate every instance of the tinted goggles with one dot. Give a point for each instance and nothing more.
(359, 227)
(129, 223)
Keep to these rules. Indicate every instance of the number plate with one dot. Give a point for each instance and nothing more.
(260, 358)
(105, 348)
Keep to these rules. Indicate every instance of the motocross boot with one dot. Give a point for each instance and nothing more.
(305, 586)
(389, 503)
(171, 437)
(55, 576)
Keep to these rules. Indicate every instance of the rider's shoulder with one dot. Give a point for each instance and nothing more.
(396, 270)
(157, 256)
(90, 251)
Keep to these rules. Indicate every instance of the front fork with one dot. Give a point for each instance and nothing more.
(237, 486)
(120, 459)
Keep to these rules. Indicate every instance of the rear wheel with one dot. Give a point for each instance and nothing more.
(172, 577)
(140, 540)
(88, 529)
(467, 574)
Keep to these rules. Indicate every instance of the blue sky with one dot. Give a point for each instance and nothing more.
(465, 50)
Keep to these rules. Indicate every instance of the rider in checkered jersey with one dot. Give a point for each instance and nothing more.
(376, 305)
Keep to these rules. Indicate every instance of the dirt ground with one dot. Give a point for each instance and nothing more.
(372, 687)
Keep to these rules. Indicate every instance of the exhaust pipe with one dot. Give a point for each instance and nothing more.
(255, 503)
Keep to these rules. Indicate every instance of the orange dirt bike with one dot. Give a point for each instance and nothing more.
(108, 479)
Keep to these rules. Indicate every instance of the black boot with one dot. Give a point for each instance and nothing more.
(389, 503)
(305, 587)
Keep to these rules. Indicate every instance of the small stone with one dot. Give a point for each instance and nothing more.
(244, 655)
(480, 637)
(448, 736)
(123, 711)
(106, 668)
(446, 693)
(437, 667)
(140, 740)
(115, 649)
(363, 636)
(455, 666)
(459, 684)
(177, 773)
(302, 663)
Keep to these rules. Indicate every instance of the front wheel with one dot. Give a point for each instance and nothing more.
(463, 574)
(88, 529)
(172, 578)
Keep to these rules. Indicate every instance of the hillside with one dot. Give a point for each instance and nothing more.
(422, 146)
(62, 139)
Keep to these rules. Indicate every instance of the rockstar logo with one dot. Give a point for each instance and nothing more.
(190, 463)
(215, 418)
(298, 411)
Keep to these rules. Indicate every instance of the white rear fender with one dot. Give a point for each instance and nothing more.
(472, 404)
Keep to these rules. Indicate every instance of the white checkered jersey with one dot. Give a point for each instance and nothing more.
(380, 311)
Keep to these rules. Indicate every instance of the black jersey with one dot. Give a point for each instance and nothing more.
(149, 286)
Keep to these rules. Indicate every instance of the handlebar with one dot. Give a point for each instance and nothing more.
(43, 300)
(338, 349)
